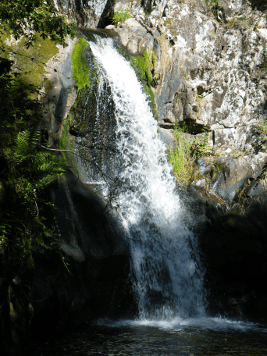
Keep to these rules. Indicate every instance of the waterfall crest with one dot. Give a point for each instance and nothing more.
(167, 280)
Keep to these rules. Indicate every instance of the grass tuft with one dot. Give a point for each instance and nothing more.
(184, 154)
(181, 158)
(121, 16)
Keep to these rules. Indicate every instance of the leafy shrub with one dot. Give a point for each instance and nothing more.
(25, 170)
(262, 128)
(121, 16)
(186, 151)
(180, 157)
(25, 18)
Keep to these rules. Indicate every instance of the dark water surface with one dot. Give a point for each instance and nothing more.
(137, 338)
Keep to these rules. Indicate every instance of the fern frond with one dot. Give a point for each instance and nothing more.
(48, 163)
(22, 142)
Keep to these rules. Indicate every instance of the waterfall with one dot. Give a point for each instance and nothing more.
(165, 270)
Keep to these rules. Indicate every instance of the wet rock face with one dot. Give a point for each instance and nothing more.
(233, 248)
(135, 37)
(85, 13)
(211, 74)
(63, 93)
(93, 281)
(229, 204)
(233, 180)
(212, 67)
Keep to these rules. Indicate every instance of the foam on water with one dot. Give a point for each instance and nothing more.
(180, 324)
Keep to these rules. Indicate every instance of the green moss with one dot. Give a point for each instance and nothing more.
(29, 63)
(169, 24)
(152, 102)
(65, 142)
(32, 61)
(80, 69)
(4, 48)
(145, 68)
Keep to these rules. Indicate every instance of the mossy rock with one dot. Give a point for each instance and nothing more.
(145, 69)
(80, 68)
(29, 63)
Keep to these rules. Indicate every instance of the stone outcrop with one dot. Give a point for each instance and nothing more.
(233, 250)
(63, 93)
(211, 61)
(136, 38)
(211, 75)
(84, 13)
(92, 280)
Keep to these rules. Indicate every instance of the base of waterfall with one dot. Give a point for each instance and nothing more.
(180, 324)
(177, 337)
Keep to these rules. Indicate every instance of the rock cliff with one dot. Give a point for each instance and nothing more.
(209, 74)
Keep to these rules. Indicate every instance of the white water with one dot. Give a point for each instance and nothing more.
(167, 279)
(180, 324)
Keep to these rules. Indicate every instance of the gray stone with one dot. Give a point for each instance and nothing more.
(84, 13)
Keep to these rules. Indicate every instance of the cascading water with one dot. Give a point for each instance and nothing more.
(167, 281)
(124, 146)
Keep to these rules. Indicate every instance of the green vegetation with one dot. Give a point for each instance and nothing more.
(25, 171)
(231, 222)
(29, 66)
(218, 167)
(181, 158)
(184, 154)
(234, 21)
(27, 165)
(145, 68)
(80, 69)
(169, 24)
(261, 130)
(81, 112)
(26, 18)
(262, 127)
(211, 3)
(121, 16)
(200, 92)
